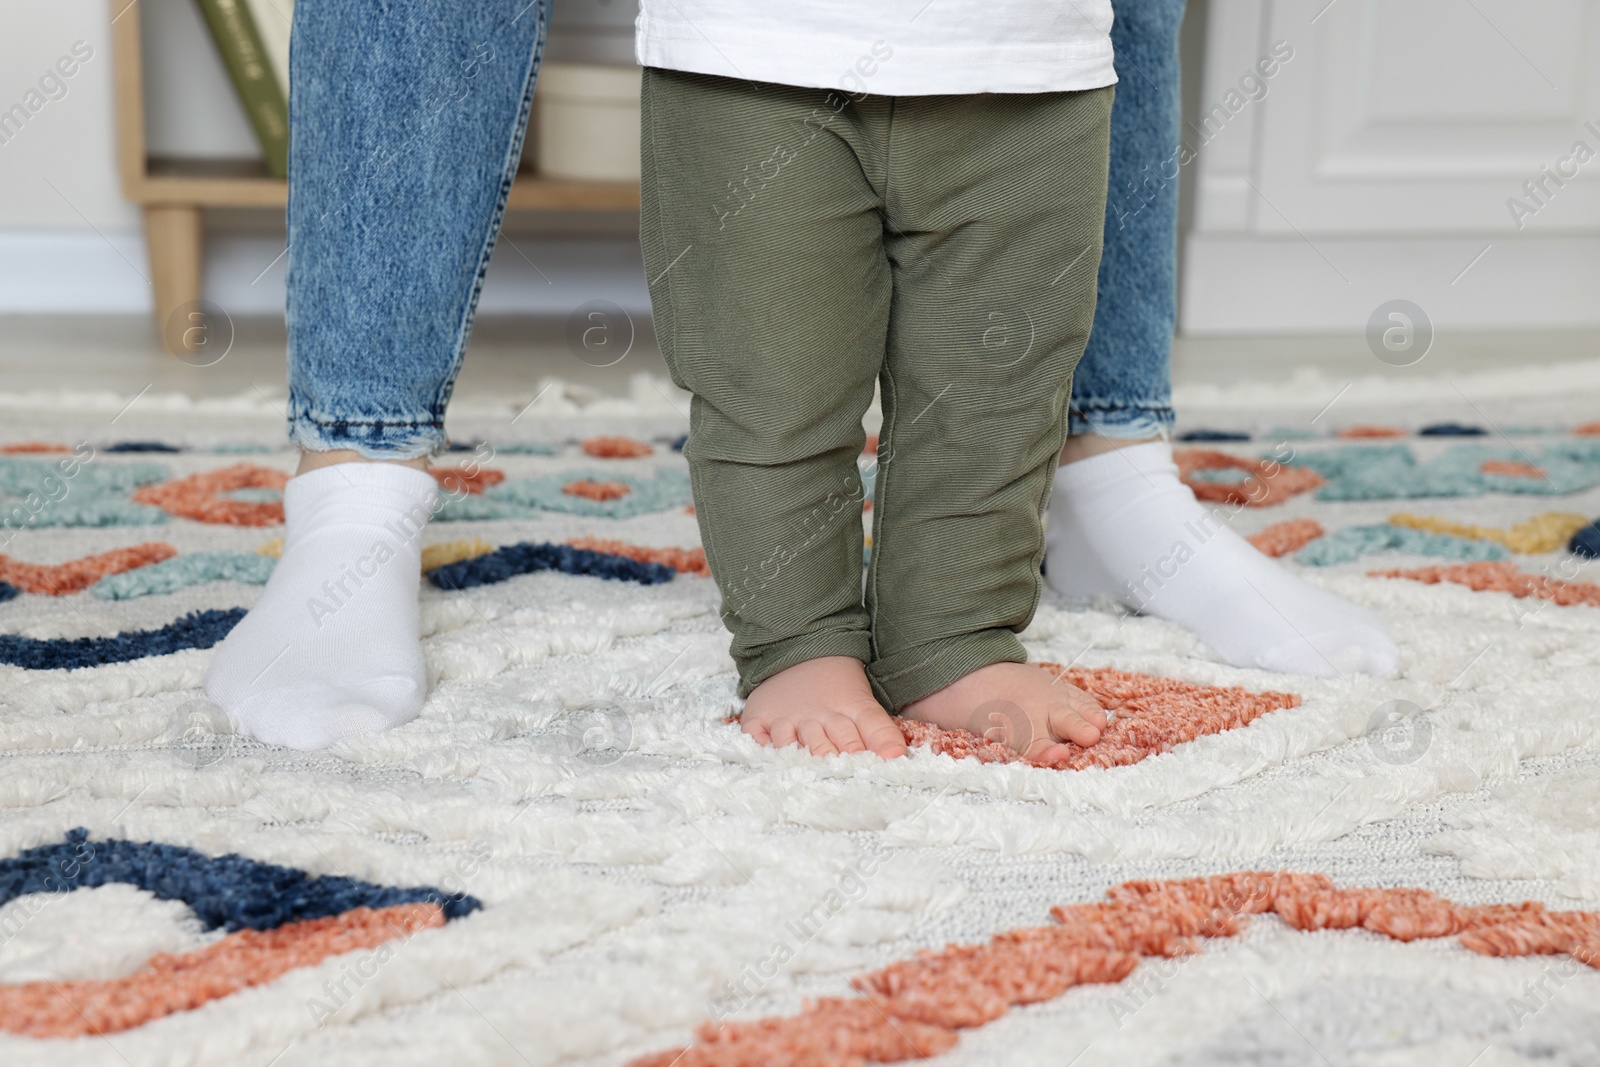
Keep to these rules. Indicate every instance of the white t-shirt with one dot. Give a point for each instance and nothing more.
(887, 47)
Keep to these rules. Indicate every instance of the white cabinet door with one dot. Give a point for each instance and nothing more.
(1441, 151)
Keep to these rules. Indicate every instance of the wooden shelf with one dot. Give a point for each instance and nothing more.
(224, 184)
(174, 193)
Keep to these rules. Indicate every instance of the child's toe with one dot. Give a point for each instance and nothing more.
(1067, 725)
(844, 733)
(814, 736)
(881, 735)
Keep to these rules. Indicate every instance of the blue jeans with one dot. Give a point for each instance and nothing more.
(1123, 384)
(405, 125)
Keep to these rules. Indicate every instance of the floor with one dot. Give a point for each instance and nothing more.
(512, 355)
(122, 354)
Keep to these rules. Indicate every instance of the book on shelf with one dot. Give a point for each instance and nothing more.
(272, 22)
(253, 39)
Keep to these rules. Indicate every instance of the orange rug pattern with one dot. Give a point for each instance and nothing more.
(25, 447)
(914, 1009)
(171, 983)
(1149, 715)
(472, 480)
(1282, 538)
(1265, 482)
(1360, 432)
(1503, 578)
(58, 579)
(592, 490)
(616, 448)
(1510, 468)
(682, 560)
(198, 496)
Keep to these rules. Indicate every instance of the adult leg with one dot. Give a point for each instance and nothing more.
(1122, 525)
(406, 125)
(1122, 390)
(764, 245)
(995, 210)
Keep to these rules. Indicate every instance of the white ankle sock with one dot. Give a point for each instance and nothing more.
(332, 647)
(1124, 528)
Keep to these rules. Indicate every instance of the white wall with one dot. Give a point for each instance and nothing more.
(69, 142)
(68, 241)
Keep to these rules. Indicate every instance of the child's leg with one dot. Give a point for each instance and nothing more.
(997, 209)
(764, 250)
(406, 129)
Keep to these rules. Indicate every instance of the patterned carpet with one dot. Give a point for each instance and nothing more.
(572, 857)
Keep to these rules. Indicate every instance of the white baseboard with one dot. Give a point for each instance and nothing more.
(46, 272)
(1244, 284)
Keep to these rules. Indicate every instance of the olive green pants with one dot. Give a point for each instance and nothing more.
(802, 245)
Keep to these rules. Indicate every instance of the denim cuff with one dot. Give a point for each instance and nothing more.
(374, 440)
(1120, 422)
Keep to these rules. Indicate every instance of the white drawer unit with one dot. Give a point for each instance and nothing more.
(1445, 152)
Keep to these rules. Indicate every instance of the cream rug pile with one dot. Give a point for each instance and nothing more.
(572, 857)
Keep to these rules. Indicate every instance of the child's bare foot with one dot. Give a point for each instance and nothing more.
(1018, 705)
(825, 704)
